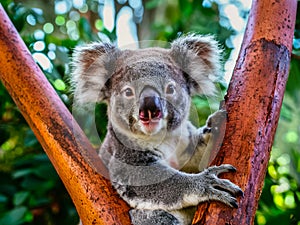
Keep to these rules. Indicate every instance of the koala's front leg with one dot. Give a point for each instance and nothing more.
(206, 136)
(154, 203)
(213, 125)
(212, 134)
(177, 190)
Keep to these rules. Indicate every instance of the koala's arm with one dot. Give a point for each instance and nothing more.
(205, 137)
(149, 184)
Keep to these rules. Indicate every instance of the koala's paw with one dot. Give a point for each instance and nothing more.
(221, 189)
(152, 217)
(213, 124)
(215, 120)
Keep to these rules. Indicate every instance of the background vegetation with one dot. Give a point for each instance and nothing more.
(31, 191)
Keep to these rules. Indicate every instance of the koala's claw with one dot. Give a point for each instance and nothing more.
(206, 130)
(222, 189)
(240, 193)
(221, 169)
(234, 204)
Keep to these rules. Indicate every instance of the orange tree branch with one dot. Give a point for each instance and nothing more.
(73, 157)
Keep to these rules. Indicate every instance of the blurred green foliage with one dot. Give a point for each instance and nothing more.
(30, 189)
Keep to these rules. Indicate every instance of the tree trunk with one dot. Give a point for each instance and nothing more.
(73, 157)
(253, 103)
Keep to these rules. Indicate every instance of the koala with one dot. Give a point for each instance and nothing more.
(155, 156)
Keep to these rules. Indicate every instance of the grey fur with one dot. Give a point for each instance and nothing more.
(154, 155)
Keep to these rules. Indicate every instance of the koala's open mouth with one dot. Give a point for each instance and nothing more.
(150, 112)
(148, 116)
(151, 121)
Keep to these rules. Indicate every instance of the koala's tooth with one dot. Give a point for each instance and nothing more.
(149, 114)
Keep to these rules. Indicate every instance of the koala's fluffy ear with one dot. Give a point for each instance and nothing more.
(199, 58)
(91, 71)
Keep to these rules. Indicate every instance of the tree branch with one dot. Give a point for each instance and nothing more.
(253, 103)
(73, 157)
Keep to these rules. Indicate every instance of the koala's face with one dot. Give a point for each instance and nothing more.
(148, 90)
(149, 96)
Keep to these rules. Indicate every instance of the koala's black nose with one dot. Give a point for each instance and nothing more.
(150, 105)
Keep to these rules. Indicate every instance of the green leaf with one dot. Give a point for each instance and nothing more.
(14, 217)
(35, 202)
(30, 139)
(20, 197)
(46, 171)
(34, 184)
(22, 173)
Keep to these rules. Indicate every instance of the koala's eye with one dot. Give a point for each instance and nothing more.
(170, 89)
(128, 92)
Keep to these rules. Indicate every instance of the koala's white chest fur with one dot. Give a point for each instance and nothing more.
(172, 145)
(176, 148)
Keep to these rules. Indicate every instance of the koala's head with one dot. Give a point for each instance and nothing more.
(147, 90)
